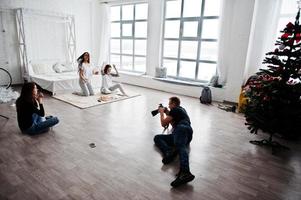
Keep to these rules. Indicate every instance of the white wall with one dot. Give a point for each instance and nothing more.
(81, 9)
(235, 31)
(237, 19)
(9, 45)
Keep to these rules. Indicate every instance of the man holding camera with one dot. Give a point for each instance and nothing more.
(176, 142)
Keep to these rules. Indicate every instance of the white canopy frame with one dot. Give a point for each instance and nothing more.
(23, 45)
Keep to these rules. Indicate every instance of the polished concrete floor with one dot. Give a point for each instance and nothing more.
(126, 165)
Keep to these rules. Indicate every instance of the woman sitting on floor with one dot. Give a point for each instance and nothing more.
(30, 111)
(107, 84)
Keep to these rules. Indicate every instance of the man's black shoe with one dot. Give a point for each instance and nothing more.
(169, 157)
(182, 178)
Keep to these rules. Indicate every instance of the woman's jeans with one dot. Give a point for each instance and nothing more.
(41, 124)
(118, 86)
(86, 87)
(179, 139)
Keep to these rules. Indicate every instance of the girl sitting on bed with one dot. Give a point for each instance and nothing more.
(85, 74)
(30, 111)
(107, 83)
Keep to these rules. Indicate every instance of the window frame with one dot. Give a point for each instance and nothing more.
(181, 38)
(133, 38)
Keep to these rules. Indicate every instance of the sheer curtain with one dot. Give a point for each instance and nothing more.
(46, 36)
(104, 34)
(225, 23)
(262, 36)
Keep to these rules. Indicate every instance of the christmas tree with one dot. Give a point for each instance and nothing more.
(274, 93)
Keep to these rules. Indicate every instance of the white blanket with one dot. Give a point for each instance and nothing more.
(58, 83)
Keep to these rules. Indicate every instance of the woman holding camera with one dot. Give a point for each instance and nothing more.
(107, 83)
(30, 111)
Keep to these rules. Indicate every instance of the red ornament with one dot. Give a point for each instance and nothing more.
(290, 26)
(285, 36)
(291, 42)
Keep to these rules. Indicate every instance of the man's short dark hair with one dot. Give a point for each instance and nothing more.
(175, 100)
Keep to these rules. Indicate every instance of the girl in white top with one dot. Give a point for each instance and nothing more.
(107, 84)
(85, 74)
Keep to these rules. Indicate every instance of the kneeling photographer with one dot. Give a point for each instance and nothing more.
(175, 143)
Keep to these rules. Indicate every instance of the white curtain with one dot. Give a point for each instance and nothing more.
(262, 35)
(224, 38)
(45, 36)
(104, 33)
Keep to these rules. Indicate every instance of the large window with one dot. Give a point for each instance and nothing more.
(129, 37)
(191, 29)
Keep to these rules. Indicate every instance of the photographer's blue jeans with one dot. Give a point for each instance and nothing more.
(41, 124)
(179, 139)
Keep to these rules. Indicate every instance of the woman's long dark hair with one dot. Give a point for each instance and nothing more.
(107, 67)
(27, 92)
(80, 59)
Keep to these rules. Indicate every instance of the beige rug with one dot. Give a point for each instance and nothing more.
(90, 101)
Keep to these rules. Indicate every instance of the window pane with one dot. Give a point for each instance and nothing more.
(208, 51)
(127, 46)
(212, 8)
(172, 29)
(210, 29)
(140, 47)
(187, 69)
(115, 13)
(171, 48)
(190, 29)
(115, 59)
(127, 30)
(192, 8)
(127, 12)
(206, 71)
(115, 46)
(140, 64)
(171, 66)
(173, 9)
(141, 29)
(115, 29)
(288, 7)
(141, 11)
(189, 49)
(127, 62)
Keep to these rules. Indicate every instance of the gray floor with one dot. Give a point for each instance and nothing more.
(126, 165)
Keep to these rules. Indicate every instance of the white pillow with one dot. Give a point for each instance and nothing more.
(70, 67)
(60, 67)
(42, 68)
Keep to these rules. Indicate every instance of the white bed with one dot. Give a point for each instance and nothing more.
(43, 74)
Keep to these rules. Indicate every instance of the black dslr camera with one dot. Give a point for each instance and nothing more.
(155, 112)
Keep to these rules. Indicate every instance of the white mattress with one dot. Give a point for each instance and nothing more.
(58, 83)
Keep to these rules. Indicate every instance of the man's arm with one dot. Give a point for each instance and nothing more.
(165, 120)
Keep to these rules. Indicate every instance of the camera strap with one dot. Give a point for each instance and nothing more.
(165, 128)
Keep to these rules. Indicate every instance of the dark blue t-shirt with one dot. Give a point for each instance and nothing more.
(179, 115)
